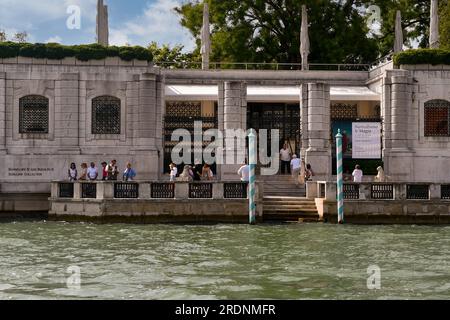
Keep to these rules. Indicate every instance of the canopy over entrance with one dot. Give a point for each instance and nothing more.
(267, 93)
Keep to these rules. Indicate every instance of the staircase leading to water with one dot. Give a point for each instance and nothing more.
(284, 201)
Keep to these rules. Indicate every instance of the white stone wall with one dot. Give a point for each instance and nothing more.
(30, 161)
(409, 155)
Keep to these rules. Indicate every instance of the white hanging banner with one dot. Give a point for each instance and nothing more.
(366, 140)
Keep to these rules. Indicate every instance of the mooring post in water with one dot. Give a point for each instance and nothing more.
(340, 183)
(252, 176)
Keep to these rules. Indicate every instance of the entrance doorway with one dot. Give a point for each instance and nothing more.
(281, 116)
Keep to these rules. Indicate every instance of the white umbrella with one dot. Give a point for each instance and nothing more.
(206, 41)
(398, 44)
(434, 25)
(304, 39)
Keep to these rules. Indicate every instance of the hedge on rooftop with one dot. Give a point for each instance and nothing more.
(81, 52)
(423, 56)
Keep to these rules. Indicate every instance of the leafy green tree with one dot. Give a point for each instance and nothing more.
(445, 23)
(269, 30)
(175, 57)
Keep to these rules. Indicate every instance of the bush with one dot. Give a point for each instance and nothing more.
(423, 56)
(80, 52)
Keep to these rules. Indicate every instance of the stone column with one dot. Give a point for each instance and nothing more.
(2, 112)
(102, 24)
(67, 113)
(318, 153)
(304, 118)
(398, 155)
(147, 162)
(233, 98)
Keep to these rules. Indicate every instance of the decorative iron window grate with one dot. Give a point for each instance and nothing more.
(437, 118)
(33, 114)
(351, 191)
(126, 190)
(88, 190)
(66, 190)
(106, 115)
(344, 111)
(200, 190)
(417, 192)
(163, 190)
(445, 191)
(236, 190)
(382, 191)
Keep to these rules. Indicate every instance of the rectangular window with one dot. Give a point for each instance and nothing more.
(33, 114)
(106, 115)
(436, 119)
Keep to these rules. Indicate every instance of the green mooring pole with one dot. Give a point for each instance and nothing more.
(340, 182)
(252, 176)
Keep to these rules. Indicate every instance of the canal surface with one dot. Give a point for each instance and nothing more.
(294, 261)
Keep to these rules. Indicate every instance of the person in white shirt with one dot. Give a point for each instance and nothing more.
(357, 174)
(244, 172)
(92, 172)
(173, 172)
(285, 157)
(296, 166)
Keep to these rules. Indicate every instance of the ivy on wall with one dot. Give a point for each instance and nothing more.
(81, 52)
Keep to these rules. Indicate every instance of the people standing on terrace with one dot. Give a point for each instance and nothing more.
(285, 156)
(173, 172)
(72, 172)
(357, 174)
(112, 170)
(83, 175)
(186, 174)
(104, 171)
(129, 174)
(244, 172)
(309, 173)
(207, 173)
(92, 172)
(197, 170)
(296, 166)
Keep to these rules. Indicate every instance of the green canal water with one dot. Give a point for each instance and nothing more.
(292, 261)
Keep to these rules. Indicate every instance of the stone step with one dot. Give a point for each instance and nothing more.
(290, 210)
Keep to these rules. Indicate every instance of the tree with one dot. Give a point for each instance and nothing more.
(269, 30)
(172, 56)
(2, 36)
(21, 37)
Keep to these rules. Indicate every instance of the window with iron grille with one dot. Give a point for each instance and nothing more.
(437, 118)
(33, 114)
(105, 115)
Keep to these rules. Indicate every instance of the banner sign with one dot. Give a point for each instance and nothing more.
(366, 142)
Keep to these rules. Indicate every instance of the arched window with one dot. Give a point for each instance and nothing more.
(437, 114)
(106, 115)
(33, 114)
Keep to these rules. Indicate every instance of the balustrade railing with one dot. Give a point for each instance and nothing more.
(162, 190)
(66, 190)
(417, 192)
(445, 192)
(351, 191)
(200, 190)
(88, 190)
(126, 190)
(235, 190)
(382, 191)
(100, 190)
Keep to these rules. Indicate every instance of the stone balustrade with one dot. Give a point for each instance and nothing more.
(150, 190)
(379, 191)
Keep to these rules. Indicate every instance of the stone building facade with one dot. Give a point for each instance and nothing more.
(53, 113)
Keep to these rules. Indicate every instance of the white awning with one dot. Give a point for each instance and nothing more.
(267, 93)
